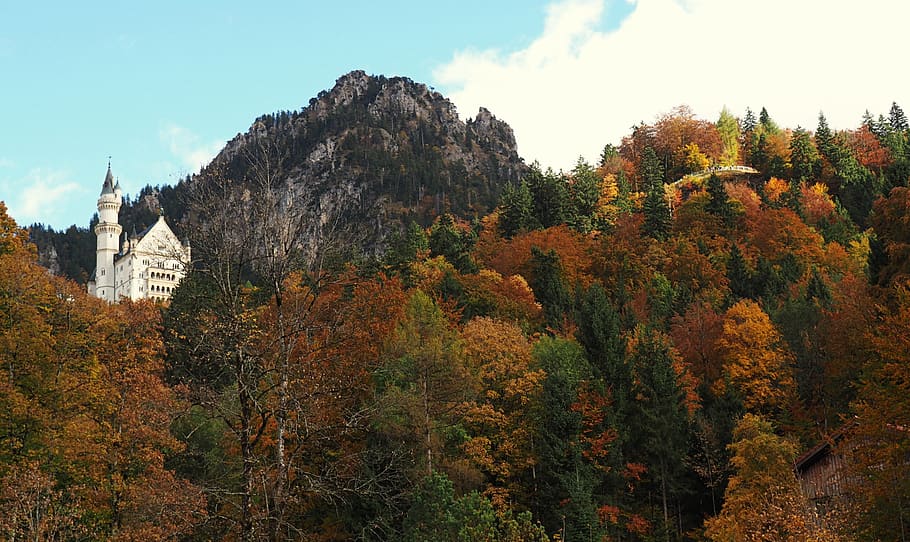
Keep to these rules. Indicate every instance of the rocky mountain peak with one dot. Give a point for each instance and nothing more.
(493, 130)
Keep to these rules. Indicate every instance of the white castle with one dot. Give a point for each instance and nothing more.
(145, 266)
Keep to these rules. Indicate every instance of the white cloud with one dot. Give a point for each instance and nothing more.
(43, 195)
(576, 88)
(187, 147)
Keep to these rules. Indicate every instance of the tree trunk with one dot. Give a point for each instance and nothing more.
(246, 450)
(281, 417)
(426, 413)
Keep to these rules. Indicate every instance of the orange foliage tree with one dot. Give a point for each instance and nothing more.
(83, 400)
(868, 150)
(695, 335)
(513, 257)
(816, 203)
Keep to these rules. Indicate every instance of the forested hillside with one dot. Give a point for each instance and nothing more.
(637, 349)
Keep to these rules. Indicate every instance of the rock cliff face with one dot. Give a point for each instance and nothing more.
(374, 153)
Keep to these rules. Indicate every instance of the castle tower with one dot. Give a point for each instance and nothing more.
(108, 236)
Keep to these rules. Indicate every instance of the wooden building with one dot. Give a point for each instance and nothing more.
(822, 470)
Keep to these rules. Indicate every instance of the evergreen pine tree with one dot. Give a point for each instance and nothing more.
(584, 194)
(657, 212)
(661, 418)
(563, 487)
(817, 289)
(758, 158)
(738, 273)
(404, 248)
(610, 151)
(549, 286)
(749, 122)
(600, 333)
(804, 159)
(719, 205)
(651, 171)
(516, 210)
(898, 119)
(768, 125)
(823, 135)
(550, 194)
(446, 239)
(655, 207)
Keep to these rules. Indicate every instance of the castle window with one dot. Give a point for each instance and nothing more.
(102, 272)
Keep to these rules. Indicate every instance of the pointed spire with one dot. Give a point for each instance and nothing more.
(108, 187)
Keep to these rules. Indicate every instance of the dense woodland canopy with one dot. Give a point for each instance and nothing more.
(633, 350)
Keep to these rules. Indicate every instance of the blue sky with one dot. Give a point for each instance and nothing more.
(161, 86)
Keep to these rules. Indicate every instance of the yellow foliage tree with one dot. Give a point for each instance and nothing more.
(695, 159)
(499, 356)
(757, 362)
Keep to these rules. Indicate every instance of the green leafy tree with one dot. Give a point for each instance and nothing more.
(436, 514)
(424, 381)
(728, 128)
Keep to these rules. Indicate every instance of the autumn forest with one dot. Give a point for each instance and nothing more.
(641, 349)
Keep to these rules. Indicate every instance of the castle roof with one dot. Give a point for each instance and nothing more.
(108, 187)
